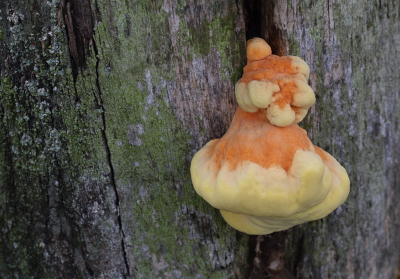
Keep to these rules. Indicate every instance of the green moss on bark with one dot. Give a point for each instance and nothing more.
(169, 229)
(58, 131)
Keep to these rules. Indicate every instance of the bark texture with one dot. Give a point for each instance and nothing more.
(353, 49)
(103, 103)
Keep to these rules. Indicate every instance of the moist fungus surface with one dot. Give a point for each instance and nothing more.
(271, 145)
(264, 174)
(275, 85)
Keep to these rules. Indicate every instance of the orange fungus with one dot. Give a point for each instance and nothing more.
(264, 174)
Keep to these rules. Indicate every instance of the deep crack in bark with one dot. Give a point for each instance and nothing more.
(108, 154)
(79, 24)
(260, 22)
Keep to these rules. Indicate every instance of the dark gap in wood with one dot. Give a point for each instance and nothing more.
(252, 243)
(272, 34)
(79, 25)
(259, 16)
(266, 258)
(253, 18)
(298, 262)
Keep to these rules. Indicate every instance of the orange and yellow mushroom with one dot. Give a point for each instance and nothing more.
(274, 85)
(264, 174)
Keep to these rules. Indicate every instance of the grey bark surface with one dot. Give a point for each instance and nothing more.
(353, 49)
(103, 103)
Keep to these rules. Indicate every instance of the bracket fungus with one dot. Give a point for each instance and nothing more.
(264, 174)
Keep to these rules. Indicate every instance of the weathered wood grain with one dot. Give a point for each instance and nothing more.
(103, 103)
(353, 50)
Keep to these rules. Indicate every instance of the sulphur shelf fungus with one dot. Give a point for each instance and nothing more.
(275, 85)
(264, 174)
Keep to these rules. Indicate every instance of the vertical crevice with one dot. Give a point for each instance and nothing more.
(79, 23)
(109, 161)
(252, 10)
(270, 30)
(260, 22)
(298, 261)
(266, 258)
(252, 243)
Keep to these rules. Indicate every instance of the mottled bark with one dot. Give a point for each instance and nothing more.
(353, 49)
(103, 103)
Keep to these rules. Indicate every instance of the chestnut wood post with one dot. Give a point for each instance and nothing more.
(104, 102)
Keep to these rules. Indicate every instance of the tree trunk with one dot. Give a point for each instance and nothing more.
(353, 49)
(103, 103)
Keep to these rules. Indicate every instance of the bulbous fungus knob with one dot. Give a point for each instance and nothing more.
(257, 49)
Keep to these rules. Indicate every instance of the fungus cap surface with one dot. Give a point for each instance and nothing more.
(266, 178)
(264, 174)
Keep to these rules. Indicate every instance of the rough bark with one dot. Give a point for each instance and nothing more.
(353, 50)
(103, 103)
